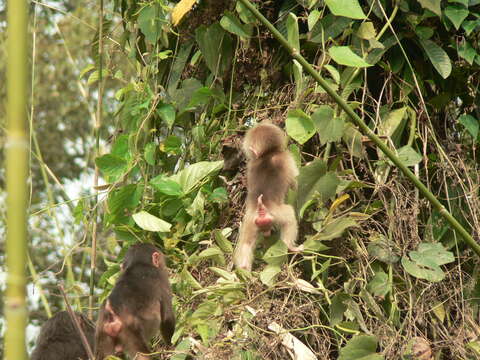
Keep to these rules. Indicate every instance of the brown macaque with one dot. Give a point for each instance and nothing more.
(59, 339)
(271, 171)
(139, 305)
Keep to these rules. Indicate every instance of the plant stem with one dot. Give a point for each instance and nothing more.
(98, 122)
(295, 53)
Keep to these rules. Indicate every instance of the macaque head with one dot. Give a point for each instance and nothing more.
(262, 139)
(146, 254)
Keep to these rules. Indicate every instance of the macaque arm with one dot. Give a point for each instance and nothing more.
(243, 256)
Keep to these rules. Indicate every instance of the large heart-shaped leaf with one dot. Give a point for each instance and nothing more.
(329, 127)
(216, 46)
(299, 126)
(432, 5)
(315, 183)
(425, 263)
(456, 13)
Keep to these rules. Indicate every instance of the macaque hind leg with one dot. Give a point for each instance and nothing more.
(284, 216)
(243, 256)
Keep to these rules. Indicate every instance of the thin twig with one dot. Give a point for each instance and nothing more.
(75, 321)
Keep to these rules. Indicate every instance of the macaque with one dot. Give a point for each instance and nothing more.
(59, 339)
(139, 304)
(271, 171)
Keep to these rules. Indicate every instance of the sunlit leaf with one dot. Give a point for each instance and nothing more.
(343, 55)
(299, 126)
(150, 222)
(193, 175)
(179, 11)
(347, 8)
(292, 31)
(425, 263)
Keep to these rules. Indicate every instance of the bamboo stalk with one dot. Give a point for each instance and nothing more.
(295, 53)
(16, 178)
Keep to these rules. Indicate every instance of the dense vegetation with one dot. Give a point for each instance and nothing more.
(383, 273)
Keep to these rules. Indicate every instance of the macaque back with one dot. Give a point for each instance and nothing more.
(139, 305)
(59, 339)
(271, 171)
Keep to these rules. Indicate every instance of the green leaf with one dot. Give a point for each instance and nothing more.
(348, 8)
(360, 347)
(329, 127)
(150, 222)
(210, 252)
(121, 200)
(392, 124)
(425, 263)
(470, 25)
(166, 112)
(424, 32)
(379, 285)
(292, 31)
(149, 153)
(456, 13)
(111, 166)
(382, 250)
(366, 31)
(231, 23)
(338, 308)
(276, 254)
(95, 76)
(466, 51)
(333, 73)
(432, 5)
(471, 124)
(438, 57)
(216, 47)
(329, 26)
(223, 243)
(172, 145)
(150, 22)
(312, 19)
(194, 175)
(314, 181)
(299, 126)
(245, 15)
(343, 55)
(166, 186)
(267, 276)
(335, 229)
(409, 156)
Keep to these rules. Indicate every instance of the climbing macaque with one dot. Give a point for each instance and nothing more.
(60, 340)
(271, 171)
(139, 304)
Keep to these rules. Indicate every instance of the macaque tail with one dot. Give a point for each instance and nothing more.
(167, 325)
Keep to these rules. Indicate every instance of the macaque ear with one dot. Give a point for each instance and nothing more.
(157, 259)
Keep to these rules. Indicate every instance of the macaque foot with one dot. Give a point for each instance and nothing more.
(295, 249)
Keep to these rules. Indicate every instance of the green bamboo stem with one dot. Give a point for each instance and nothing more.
(295, 53)
(16, 179)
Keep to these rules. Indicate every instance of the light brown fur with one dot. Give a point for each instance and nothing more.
(271, 171)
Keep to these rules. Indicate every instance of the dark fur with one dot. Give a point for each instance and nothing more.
(59, 339)
(142, 299)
